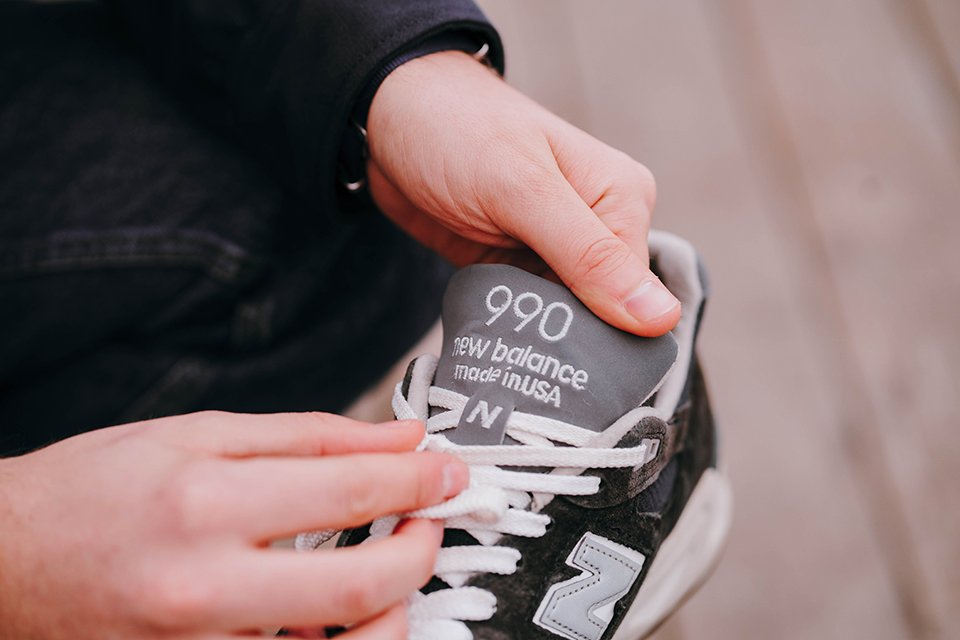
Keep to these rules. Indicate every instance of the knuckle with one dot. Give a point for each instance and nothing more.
(176, 598)
(187, 499)
(321, 416)
(601, 257)
(358, 596)
(308, 425)
(642, 175)
(199, 420)
(360, 503)
(644, 181)
(311, 419)
(209, 415)
(128, 432)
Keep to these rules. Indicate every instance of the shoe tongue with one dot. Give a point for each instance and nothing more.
(515, 342)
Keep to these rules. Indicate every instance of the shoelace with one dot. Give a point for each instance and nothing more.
(498, 501)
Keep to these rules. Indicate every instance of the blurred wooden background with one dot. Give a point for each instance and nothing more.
(811, 150)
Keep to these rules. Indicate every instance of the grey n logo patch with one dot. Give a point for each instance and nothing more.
(484, 418)
(581, 608)
(487, 417)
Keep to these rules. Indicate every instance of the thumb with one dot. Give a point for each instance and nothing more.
(601, 269)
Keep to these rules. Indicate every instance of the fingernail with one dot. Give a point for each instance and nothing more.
(456, 477)
(650, 301)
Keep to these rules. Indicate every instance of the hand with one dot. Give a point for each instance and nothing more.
(480, 173)
(159, 529)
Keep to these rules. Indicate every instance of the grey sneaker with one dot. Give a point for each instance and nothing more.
(595, 505)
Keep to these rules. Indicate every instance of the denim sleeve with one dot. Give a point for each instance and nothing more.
(280, 77)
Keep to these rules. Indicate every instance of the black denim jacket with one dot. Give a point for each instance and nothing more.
(167, 237)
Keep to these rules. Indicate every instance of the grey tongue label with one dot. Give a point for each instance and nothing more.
(514, 341)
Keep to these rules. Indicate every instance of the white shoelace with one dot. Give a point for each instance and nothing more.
(498, 501)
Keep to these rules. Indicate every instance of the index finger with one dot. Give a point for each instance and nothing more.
(240, 435)
(268, 498)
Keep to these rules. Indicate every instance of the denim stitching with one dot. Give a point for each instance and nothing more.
(223, 260)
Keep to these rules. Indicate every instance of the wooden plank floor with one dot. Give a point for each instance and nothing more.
(811, 150)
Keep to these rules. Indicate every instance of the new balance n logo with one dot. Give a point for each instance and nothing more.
(581, 608)
(487, 417)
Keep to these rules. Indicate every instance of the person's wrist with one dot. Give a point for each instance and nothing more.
(354, 148)
(408, 91)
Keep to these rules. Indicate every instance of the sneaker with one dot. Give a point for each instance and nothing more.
(595, 505)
